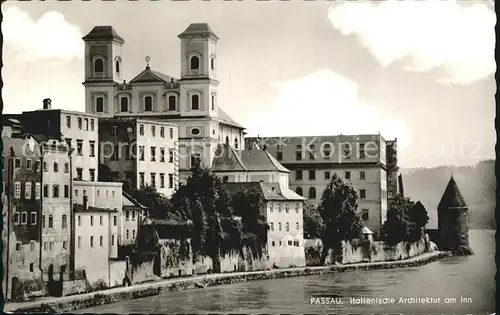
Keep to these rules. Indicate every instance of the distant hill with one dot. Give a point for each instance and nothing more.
(477, 184)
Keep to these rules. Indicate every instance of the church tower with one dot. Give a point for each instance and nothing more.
(103, 69)
(198, 84)
(453, 220)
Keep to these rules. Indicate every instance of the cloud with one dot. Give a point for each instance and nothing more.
(49, 37)
(458, 39)
(323, 103)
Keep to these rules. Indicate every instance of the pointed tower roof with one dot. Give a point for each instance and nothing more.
(452, 198)
(418, 204)
(105, 32)
(198, 29)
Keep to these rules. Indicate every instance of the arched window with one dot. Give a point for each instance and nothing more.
(227, 140)
(148, 103)
(171, 102)
(127, 236)
(99, 105)
(124, 104)
(212, 63)
(133, 234)
(236, 143)
(98, 66)
(195, 63)
(56, 168)
(213, 102)
(298, 190)
(312, 193)
(195, 102)
(117, 66)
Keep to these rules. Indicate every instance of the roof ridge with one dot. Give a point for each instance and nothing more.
(238, 158)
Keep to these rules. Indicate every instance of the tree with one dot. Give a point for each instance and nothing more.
(158, 204)
(105, 174)
(313, 223)
(338, 209)
(398, 226)
(248, 205)
(418, 216)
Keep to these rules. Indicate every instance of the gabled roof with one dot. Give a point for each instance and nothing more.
(198, 29)
(226, 160)
(106, 32)
(222, 115)
(230, 160)
(267, 192)
(148, 75)
(129, 201)
(366, 231)
(261, 160)
(452, 197)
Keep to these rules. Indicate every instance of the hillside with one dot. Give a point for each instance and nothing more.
(477, 184)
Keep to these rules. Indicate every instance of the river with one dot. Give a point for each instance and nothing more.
(469, 280)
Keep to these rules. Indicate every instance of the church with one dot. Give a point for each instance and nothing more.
(190, 102)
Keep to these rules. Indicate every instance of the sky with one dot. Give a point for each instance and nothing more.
(421, 72)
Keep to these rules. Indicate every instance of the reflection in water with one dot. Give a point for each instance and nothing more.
(468, 277)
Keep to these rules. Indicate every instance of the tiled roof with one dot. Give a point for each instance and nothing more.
(79, 208)
(148, 75)
(288, 193)
(452, 198)
(227, 159)
(266, 191)
(198, 29)
(227, 119)
(131, 202)
(103, 33)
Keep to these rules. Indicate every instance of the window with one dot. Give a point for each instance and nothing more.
(79, 242)
(100, 240)
(91, 241)
(172, 102)
(141, 153)
(114, 220)
(312, 193)
(91, 220)
(46, 191)
(162, 154)
(66, 191)
(141, 180)
(312, 155)
(298, 174)
(133, 234)
(66, 167)
(213, 102)
(273, 243)
(100, 220)
(153, 131)
(141, 129)
(270, 207)
(212, 63)
(64, 221)
(298, 190)
(162, 132)
(153, 154)
(171, 132)
(362, 194)
(55, 191)
(162, 180)
(45, 167)
(195, 131)
(24, 218)
(195, 102)
(17, 190)
(29, 164)
(195, 160)
(79, 147)
(127, 234)
(68, 142)
(170, 180)
(279, 226)
(68, 121)
(91, 148)
(17, 163)
(37, 166)
(86, 124)
(364, 214)
(112, 240)
(117, 66)
(362, 175)
(225, 179)
(18, 246)
(27, 190)
(124, 104)
(33, 218)
(153, 179)
(127, 215)
(194, 63)
(98, 66)
(79, 173)
(148, 103)
(56, 168)
(327, 175)
(347, 175)
(279, 155)
(312, 175)
(15, 218)
(51, 221)
(361, 150)
(79, 221)
(297, 207)
(99, 105)
(91, 124)
(37, 190)
(236, 143)
(65, 245)
(272, 226)
(170, 155)
(347, 151)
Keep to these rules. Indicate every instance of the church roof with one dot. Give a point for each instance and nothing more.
(452, 198)
(222, 115)
(198, 29)
(230, 160)
(148, 75)
(105, 32)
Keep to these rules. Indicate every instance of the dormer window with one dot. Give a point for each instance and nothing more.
(195, 102)
(194, 63)
(148, 103)
(124, 104)
(99, 104)
(172, 102)
(98, 66)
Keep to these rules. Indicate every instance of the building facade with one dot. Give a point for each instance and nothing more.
(360, 160)
(190, 101)
(141, 152)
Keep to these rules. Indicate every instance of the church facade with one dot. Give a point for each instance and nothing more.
(190, 101)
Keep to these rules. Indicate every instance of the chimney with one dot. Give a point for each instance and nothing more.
(47, 103)
(85, 202)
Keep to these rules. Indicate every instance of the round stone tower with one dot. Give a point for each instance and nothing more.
(453, 221)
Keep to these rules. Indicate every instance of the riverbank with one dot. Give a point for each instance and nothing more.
(81, 301)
